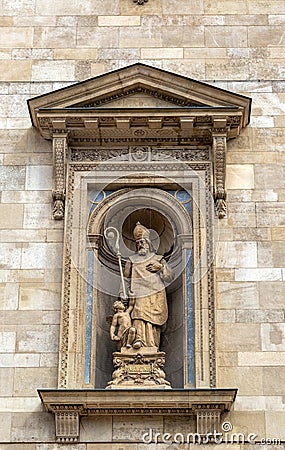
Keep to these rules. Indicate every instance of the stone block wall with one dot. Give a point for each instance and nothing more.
(235, 45)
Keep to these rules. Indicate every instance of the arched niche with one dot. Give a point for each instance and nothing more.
(170, 221)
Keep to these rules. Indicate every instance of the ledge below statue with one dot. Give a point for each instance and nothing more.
(69, 405)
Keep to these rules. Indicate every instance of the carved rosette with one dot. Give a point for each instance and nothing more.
(219, 157)
(58, 193)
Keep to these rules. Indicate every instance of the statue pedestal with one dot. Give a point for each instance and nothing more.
(138, 369)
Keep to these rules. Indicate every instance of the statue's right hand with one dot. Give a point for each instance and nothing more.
(115, 338)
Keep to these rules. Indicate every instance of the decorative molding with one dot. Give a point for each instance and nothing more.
(68, 406)
(98, 154)
(125, 166)
(95, 240)
(180, 124)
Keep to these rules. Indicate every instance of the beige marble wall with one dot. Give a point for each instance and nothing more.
(239, 46)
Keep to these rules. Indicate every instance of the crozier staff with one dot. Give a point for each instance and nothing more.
(146, 274)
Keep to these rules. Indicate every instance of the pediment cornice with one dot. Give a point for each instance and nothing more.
(93, 100)
(139, 105)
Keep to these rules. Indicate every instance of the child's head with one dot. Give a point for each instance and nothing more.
(118, 306)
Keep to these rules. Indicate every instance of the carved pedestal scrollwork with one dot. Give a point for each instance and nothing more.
(219, 157)
(58, 193)
(139, 370)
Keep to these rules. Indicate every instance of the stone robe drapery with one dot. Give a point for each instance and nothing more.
(150, 310)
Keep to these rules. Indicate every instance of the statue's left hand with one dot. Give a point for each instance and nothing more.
(154, 267)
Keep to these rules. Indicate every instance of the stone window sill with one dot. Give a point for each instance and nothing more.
(68, 406)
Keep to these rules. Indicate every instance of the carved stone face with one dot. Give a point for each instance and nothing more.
(118, 306)
(142, 247)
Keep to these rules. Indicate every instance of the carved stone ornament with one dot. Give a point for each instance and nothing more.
(165, 109)
(58, 194)
(219, 156)
(207, 405)
(140, 2)
(141, 369)
(67, 424)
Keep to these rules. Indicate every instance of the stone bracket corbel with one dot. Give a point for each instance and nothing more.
(219, 148)
(59, 165)
(208, 418)
(67, 425)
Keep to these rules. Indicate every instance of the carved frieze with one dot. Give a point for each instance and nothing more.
(147, 143)
(140, 154)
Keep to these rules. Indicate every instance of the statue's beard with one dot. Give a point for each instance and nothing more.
(142, 251)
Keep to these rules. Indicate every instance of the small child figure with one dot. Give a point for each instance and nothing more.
(126, 332)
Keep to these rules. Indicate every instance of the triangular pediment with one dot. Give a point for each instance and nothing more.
(141, 106)
(139, 86)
